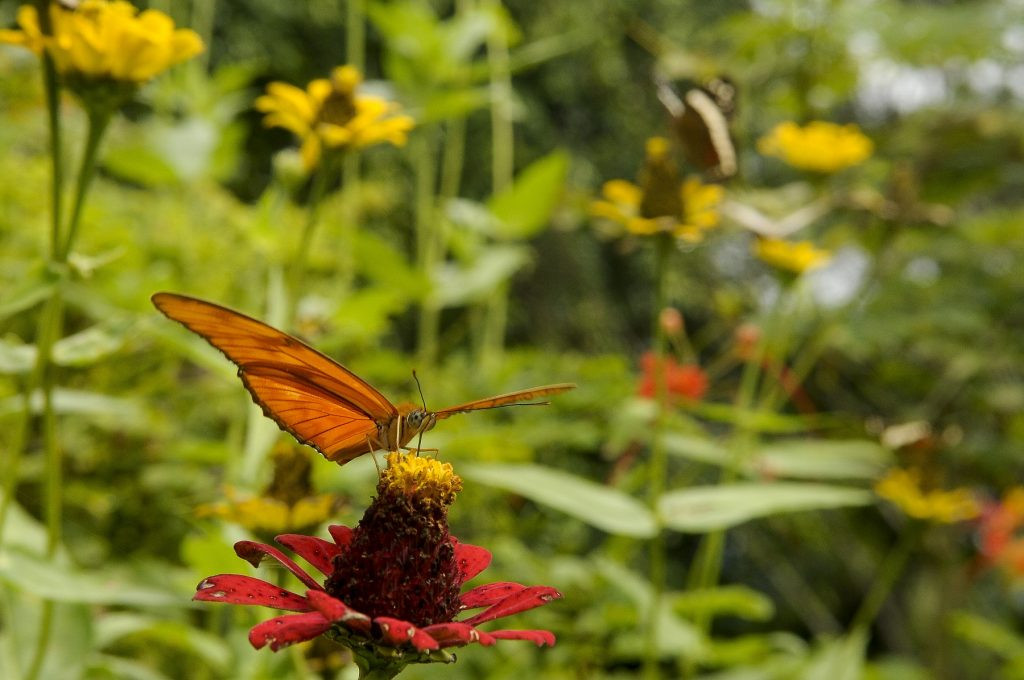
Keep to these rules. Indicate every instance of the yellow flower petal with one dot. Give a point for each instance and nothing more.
(819, 146)
(796, 257)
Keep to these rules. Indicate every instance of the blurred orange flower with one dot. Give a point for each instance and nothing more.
(683, 380)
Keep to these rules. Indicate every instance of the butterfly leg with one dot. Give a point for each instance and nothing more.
(373, 455)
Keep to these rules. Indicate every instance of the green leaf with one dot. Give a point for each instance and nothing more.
(455, 285)
(88, 346)
(799, 458)
(987, 634)
(29, 294)
(706, 508)
(115, 626)
(739, 601)
(15, 357)
(822, 459)
(525, 207)
(114, 413)
(65, 584)
(600, 506)
(140, 164)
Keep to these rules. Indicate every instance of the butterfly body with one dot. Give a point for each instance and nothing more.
(312, 397)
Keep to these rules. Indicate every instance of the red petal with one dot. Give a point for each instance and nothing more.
(287, 630)
(399, 633)
(238, 589)
(253, 553)
(486, 595)
(455, 633)
(316, 551)
(538, 637)
(342, 535)
(531, 597)
(336, 611)
(472, 559)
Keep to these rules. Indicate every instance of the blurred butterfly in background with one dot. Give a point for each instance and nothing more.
(312, 397)
(700, 120)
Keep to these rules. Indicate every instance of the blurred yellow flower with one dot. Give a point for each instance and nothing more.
(903, 489)
(662, 205)
(106, 40)
(287, 505)
(819, 146)
(798, 256)
(329, 113)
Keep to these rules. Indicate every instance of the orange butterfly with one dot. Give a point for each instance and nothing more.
(314, 398)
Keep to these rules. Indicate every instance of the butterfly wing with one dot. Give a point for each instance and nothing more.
(310, 396)
(701, 122)
(519, 396)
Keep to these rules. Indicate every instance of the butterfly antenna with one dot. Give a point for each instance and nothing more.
(423, 400)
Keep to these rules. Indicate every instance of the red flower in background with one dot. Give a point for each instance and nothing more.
(391, 589)
(682, 380)
(1001, 532)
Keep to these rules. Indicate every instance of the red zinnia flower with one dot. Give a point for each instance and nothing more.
(682, 380)
(391, 591)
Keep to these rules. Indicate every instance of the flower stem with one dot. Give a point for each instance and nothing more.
(13, 464)
(98, 122)
(317, 191)
(659, 458)
(502, 170)
(429, 243)
(886, 578)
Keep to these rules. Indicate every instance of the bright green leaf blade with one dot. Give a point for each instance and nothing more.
(823, 459)
(16, 358)
(456, 286)
(29, 294)
(738, 601)
(88, 346)
(61, 584)
(600, 506)
(707, 508)
(525, 207)
(116, 626)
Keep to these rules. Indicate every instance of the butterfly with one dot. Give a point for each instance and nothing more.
(700, 119)
(312, 397)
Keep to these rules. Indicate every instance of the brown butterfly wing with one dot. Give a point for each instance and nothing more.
(505, 399)
(314, 398)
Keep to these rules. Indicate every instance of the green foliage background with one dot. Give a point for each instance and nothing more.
(194, 196)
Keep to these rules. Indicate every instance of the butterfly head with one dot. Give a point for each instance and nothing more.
(419, 420)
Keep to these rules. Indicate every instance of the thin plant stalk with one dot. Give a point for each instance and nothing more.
(317, 191)
(428, 245)
(502, 170)
(888, 573)
(658, 468)
(52, 94)
(51, 322)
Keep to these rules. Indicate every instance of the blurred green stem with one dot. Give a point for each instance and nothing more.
(98, 122)
(659, 457)
(317, 191)
(355, 34)
(890, 571)
(429, 243)
(502, 170)
(13, 462)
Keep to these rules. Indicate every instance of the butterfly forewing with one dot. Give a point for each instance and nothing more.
(516, 397)
(311, 396)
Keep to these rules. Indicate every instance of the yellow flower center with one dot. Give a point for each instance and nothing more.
(426, 478)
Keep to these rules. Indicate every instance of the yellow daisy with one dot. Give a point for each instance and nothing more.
(662, 204)
(106, 40)
(329, 113)
(903, 489)
(797, 257)
(819, 146)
